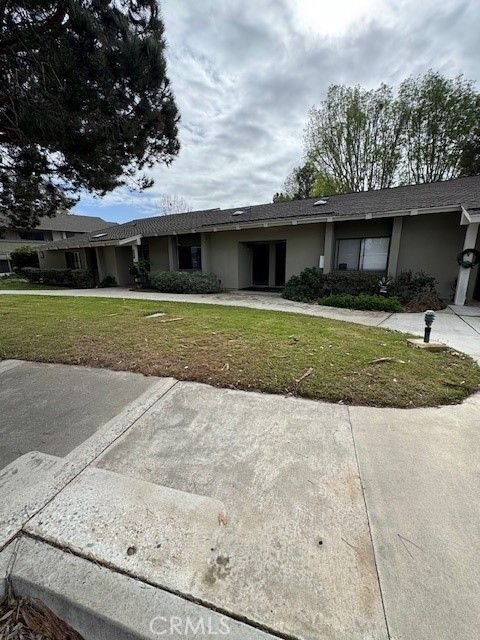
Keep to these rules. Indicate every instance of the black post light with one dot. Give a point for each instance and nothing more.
(429, 318)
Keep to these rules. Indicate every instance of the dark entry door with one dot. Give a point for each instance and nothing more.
(280, 255)
(260, 264)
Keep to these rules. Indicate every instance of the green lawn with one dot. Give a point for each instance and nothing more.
(235, 347)
(16, 283)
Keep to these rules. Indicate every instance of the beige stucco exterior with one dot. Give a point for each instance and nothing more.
(229, 256)
(430, 243)
(426, 242)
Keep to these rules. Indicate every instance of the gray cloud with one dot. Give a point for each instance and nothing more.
(246, 73)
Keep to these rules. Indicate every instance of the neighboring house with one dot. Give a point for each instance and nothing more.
(58, 228)
(418, 227)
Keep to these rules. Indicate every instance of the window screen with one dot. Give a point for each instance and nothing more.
(362, 254)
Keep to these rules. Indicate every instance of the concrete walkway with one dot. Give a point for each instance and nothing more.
(458, 327)
(274, 516)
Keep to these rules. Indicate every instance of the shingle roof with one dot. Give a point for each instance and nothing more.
(451, 193)
(69, 222)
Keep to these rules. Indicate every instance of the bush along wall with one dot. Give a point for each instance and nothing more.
(74, 278)
(185, 282)
(25, 256)
(410, 291)
(312, 284)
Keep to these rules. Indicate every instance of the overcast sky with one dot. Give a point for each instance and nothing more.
(246, 72)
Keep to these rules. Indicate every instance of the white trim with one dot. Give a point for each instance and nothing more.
(136, 239)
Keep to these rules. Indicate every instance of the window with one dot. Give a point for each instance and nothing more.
(189, 252)
(32, 235)
(73, 260)
(362, 254)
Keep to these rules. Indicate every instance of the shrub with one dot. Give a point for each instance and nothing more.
(363, 301)
(185, 282)
(108, 281)
(312, 284)
(75, 278)
(424, 301)
(408, 285)
(25, 256)
(141, 272)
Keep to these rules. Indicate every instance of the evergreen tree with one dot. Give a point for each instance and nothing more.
(85, 101)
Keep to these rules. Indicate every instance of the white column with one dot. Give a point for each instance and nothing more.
(394, 246)
(328, 249)
(135, 252)
(464, 274)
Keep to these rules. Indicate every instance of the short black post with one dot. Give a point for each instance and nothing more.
(429, 318)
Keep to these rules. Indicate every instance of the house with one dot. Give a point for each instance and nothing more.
(57, 228)
(419, 227)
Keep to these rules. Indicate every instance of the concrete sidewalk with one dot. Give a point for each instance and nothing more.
(458, 327)
(197, 501)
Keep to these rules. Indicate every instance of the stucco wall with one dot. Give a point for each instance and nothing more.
(107, 263)
(363, 228)
(52, 260)
(229, 258)
(158, 251)
(430, 243)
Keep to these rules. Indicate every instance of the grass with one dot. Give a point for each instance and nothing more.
(235, 347)
(9, 282)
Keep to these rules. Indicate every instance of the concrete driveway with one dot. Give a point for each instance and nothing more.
(54, 408)
(304, 519)
(458, 327)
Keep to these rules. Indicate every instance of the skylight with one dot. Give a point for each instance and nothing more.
(237, 213)
(99, 235)
(320, 202)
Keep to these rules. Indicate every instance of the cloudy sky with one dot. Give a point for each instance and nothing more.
(246, 72)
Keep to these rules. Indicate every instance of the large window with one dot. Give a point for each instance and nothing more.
(189, 252)
(32, 235)
(73, 260)
(362, 254)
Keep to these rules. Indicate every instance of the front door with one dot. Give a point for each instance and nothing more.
(260, 265)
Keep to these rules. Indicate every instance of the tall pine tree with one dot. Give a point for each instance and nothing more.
(85, 101)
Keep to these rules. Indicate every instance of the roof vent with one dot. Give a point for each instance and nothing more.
(99, 235)
(237, 213)
(320, 202)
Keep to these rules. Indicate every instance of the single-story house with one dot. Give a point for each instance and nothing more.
(59, 227)
(419, 227)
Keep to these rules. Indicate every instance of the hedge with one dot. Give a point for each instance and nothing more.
(185, 282)
(413, 290)
(74, 278)
(23, 257)
(363, 302)
(312, 284)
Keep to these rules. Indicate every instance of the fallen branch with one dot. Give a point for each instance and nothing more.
(307, 373)
(381, 360)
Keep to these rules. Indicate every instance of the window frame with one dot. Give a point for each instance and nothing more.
(77, 260)
(361, 252)
(191, 242)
